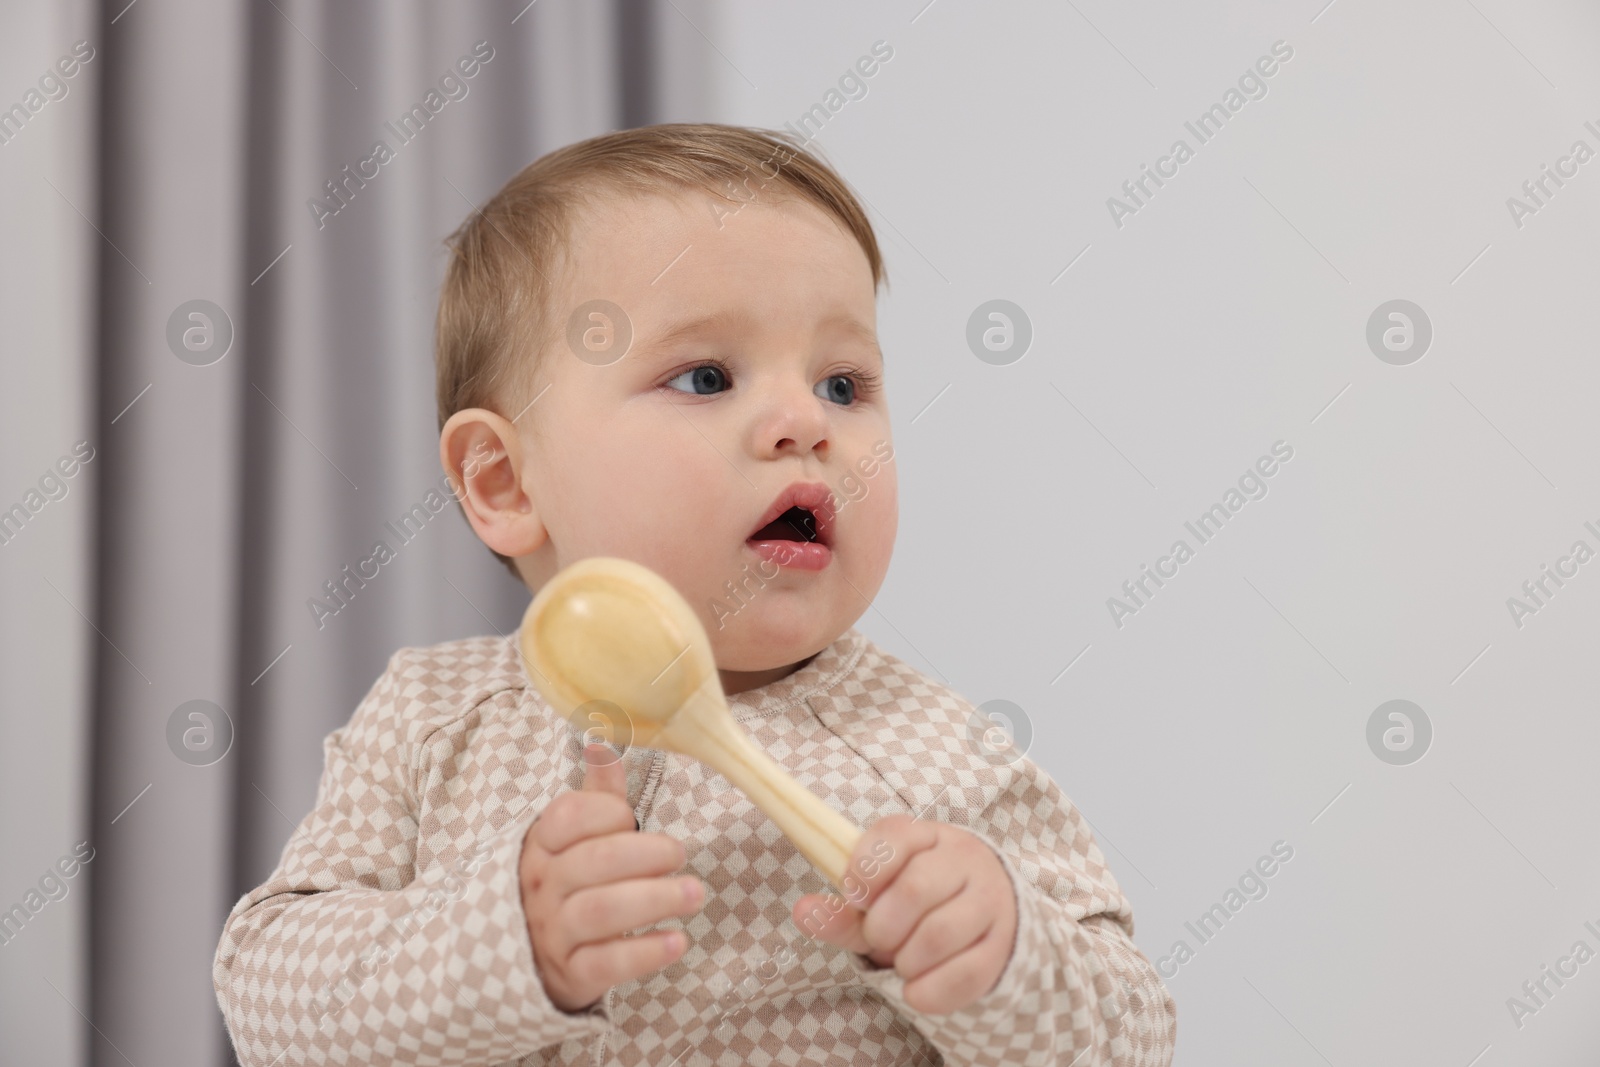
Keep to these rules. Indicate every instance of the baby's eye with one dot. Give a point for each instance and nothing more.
(703, 380)
(840, 388)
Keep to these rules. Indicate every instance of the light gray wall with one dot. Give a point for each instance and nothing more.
(1231, 712)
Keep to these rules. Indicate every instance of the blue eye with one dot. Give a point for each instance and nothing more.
(702, 379)
(712, 377)
(844, 392)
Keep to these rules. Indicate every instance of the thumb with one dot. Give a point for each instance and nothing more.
(603, 771)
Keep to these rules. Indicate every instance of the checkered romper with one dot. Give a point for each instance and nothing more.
(392, 930)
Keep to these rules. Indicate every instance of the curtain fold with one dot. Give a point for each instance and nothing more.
(256, 290)
(170, 207)
(47, 509)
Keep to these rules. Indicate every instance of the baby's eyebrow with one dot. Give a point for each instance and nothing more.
(856, 330)
(683, 329)
(845, 325)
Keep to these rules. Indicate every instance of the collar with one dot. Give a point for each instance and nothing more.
(820, 674)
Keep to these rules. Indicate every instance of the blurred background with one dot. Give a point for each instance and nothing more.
(1370, 268)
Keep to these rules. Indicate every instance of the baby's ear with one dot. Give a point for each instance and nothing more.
(482, 457)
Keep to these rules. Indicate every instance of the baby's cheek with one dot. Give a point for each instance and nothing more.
(659, 511)
(876, 518)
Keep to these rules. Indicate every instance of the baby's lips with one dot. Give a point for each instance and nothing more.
(814, 497)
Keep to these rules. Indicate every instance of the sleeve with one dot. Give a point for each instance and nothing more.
(347, 955)
(1076, 991)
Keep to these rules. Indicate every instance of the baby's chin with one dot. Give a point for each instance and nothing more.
(749, 645)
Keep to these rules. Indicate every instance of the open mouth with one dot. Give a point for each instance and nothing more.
(796, 524)
(802, 514)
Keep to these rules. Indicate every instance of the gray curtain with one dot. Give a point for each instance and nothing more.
(47, 647)
(208, 171)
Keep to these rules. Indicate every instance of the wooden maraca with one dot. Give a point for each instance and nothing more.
(612, 630)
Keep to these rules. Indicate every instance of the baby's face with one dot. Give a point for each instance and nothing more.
(669, 459)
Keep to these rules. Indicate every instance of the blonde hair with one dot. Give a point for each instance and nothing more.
(496, 310)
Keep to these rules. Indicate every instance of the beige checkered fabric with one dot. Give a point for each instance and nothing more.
(392, 930)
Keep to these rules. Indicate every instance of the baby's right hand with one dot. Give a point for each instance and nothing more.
(589, 877)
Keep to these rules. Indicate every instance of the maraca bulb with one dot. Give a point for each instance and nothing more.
(611, 630)
(617, 651)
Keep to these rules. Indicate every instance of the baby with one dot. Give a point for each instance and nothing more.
(661, 344)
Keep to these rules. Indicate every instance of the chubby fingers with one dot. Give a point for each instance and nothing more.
(601, 912)
(827, 917)
(614, 857)
(931, 879)
(884, 851)
(599, 807)
(578, 816)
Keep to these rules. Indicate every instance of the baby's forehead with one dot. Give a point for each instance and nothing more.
(659, 259)
(608, 213)
(668, 238)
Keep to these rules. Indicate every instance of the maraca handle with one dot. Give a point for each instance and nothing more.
(821, 834)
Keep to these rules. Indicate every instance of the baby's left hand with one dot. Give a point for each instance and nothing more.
(929, 899)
